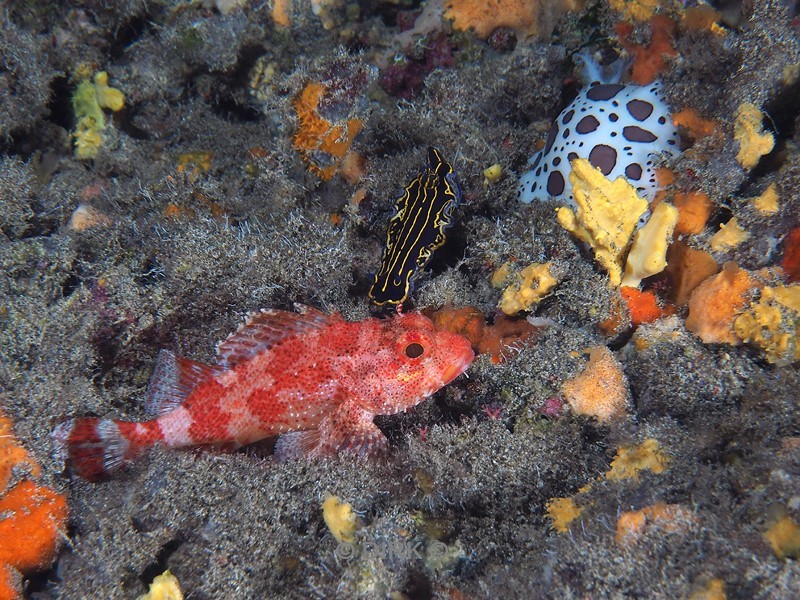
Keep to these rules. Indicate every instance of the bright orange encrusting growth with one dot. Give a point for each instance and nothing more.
(29, 531)
(696, 126)
(12, 454)
(322, 144)
(32, 517)
(643, 306)
(649, 61)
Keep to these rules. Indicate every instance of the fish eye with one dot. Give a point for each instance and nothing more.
(414, 350)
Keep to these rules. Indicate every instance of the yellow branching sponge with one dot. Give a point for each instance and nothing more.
(648, 255)
(773, 324)
(601, 390)
(754, 142)
(606, 216)
(532, 284)
(88, 102)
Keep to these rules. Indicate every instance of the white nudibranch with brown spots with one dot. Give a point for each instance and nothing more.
(620, 129)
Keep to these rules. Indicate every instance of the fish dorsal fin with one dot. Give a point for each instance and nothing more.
(267, 328)
(173, 380)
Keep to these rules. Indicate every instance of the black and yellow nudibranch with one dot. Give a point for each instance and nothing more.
(422, 214)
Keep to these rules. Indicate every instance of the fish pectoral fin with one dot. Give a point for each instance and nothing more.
(348, 429)
(296, 444)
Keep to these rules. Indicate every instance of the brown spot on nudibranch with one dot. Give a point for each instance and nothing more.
(551, 137)
(604, 158)
(555, 183)
(567, 117)
(633, 171)
(632, 133)
(604, 91)
(587, 124)
(639, 109)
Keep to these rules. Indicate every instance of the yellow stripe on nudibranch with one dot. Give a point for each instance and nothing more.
(422, 214)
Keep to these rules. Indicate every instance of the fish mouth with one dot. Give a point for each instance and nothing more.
(457, 368)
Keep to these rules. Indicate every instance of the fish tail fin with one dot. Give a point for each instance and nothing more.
(95, 448)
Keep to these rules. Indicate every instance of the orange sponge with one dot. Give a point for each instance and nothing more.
(694, 209)
(495, 340)
(29, 532)
(696, 126)
(643, 306)
(12, 454)
(524, 17)
(322, 144)
(633, 525)
(687, 268)
(649, 61)
(32, 517)
(601, 390)
(716, 302)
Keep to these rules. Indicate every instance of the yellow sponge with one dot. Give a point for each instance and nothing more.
(88, 102)
(773, 324)
(340, 518)
(648, 254)
(606, 216)
(754, 142)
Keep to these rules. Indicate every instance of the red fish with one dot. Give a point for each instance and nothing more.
(312, 378)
